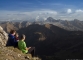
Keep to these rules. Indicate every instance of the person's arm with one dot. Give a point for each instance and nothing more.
(28, 48)
(12, 40)
(25, 46)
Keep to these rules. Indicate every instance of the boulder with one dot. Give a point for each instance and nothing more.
(3, 37)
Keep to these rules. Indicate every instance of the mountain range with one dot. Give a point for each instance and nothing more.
(73, 25)
(53, 42)
(53, 39)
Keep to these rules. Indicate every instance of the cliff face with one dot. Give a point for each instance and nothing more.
(3, 37)
(11, 53)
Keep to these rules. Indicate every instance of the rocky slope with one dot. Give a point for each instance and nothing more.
(73, 25)
(53, 39)
(54, 43)
(11, 53)
(7, 26)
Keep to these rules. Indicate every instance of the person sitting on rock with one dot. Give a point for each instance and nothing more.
(22, 46)
(17, 36)
(11, 40)
(17, 39)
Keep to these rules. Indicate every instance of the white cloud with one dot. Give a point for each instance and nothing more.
(37, 18)
(16, 15)
(52, 4)
(79, 10)
(69, 11)
(41, 14)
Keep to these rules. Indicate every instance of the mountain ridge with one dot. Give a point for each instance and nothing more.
(74, 25)
(51, 40)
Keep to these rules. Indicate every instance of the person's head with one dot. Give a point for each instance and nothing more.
(13, 32)
(23, 37)
(16, 35)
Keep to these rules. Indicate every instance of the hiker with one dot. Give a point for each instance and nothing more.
(22, 46)
(17, 37)
(11, 39)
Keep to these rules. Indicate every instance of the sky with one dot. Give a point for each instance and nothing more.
(41, 9)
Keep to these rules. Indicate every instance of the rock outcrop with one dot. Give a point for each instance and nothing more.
(3, 37)
(11, 53)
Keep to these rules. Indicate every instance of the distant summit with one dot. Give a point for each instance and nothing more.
(73, 25)
(50, 19)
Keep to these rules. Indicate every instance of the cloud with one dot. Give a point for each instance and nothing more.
(52, 4)
(37, 18)
(69, 11)
(41, 15)
(49, 3)
(79, 10)
(17, 15)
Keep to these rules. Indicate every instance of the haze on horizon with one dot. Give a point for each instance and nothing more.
(41, 9)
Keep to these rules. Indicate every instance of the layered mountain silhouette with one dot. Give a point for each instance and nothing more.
(74, 25)
(53, 42)
(7, 26)
(53, 39)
